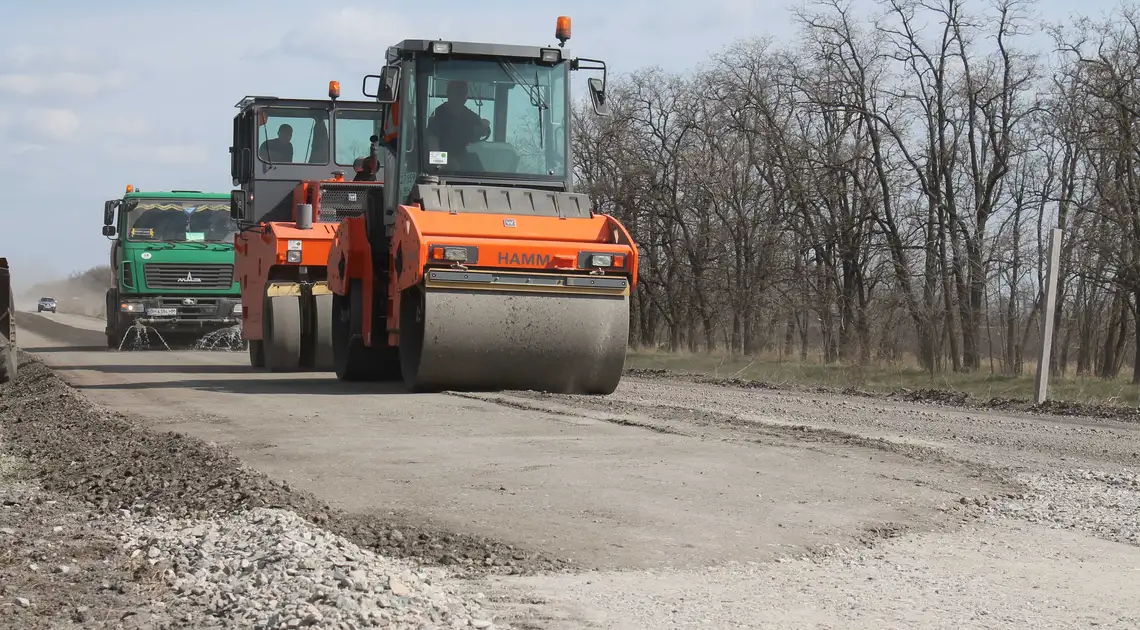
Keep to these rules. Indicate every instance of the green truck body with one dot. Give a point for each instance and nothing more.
(172, 260)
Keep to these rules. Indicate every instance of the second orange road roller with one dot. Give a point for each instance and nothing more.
(476, 265)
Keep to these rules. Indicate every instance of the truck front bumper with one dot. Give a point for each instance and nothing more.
(181, 314)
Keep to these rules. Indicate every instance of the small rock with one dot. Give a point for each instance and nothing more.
(153, 552)
(23, 602)
(398, 588)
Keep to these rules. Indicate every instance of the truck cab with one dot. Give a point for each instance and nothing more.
(172, 264)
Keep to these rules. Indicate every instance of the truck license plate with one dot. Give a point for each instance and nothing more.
(162, 312)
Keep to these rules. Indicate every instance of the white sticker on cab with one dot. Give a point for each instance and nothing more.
(437, 157)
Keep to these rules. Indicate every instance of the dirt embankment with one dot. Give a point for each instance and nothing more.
(106, 524)
(82, 293)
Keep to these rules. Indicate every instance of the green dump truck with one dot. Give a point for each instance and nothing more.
(172, 261)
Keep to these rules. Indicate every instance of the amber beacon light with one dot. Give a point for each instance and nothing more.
(562, 29)
(334, 90)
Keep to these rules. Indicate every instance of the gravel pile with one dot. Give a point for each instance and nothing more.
(60, 563)
(267, 568)
(1102, 504)
(112, 464)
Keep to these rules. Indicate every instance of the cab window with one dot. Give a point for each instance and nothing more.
(354, 130)
(293, 135)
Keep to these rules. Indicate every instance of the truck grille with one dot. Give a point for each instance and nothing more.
(340, 201)
(183, 276)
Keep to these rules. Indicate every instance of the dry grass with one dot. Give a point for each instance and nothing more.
(889, 378)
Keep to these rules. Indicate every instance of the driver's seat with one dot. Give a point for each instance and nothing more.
(499, 157)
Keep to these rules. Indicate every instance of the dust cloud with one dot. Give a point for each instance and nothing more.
(82, 293)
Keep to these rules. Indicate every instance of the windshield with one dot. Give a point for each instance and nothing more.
(179, 220)
(498, 116)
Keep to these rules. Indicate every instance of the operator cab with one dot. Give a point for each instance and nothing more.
(278, 143)
(467, 124)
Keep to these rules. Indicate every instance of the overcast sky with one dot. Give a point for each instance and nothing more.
(98, 95)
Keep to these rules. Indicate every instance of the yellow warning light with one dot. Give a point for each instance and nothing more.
(562, 29)
(334, 89)
(130, 188)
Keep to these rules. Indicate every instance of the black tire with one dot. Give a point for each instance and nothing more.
(256, 354)
(9, 361)
(322, 335)
(352, 360)
(281, 331)
(412, 338)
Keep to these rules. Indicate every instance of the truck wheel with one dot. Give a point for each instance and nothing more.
(281, 323)
(8, 354)
(256, 353)
(322, 333)
(8, 365)
(353, 360)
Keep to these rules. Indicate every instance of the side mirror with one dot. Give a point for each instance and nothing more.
(109, 212)
(387, 86)
(108, 230)
(598, 97)
(239, 205)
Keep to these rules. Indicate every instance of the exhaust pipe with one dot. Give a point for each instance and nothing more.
(304, 216)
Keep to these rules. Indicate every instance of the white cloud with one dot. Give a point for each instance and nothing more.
(16, 150)
(36, 59)
(349, 34)
(125, 126)
(175, 154)
(56, 123)
(60, 84)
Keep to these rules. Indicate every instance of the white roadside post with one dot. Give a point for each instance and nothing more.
(1050, 311)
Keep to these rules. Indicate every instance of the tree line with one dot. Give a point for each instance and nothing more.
(884, 187)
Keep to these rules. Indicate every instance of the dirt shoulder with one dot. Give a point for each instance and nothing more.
(937, 397)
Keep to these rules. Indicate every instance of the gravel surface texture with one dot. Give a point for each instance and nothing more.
(268, 568)
(112, 464)
(995, 444)
(1098, 503)
(103, 525)
(60, 565)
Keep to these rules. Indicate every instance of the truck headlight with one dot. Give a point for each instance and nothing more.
(131, 307)
(237, 309)
(293, 256)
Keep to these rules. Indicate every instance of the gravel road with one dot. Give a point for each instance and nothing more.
(671, 504)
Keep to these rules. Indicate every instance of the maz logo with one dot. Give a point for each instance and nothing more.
(189, 278)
